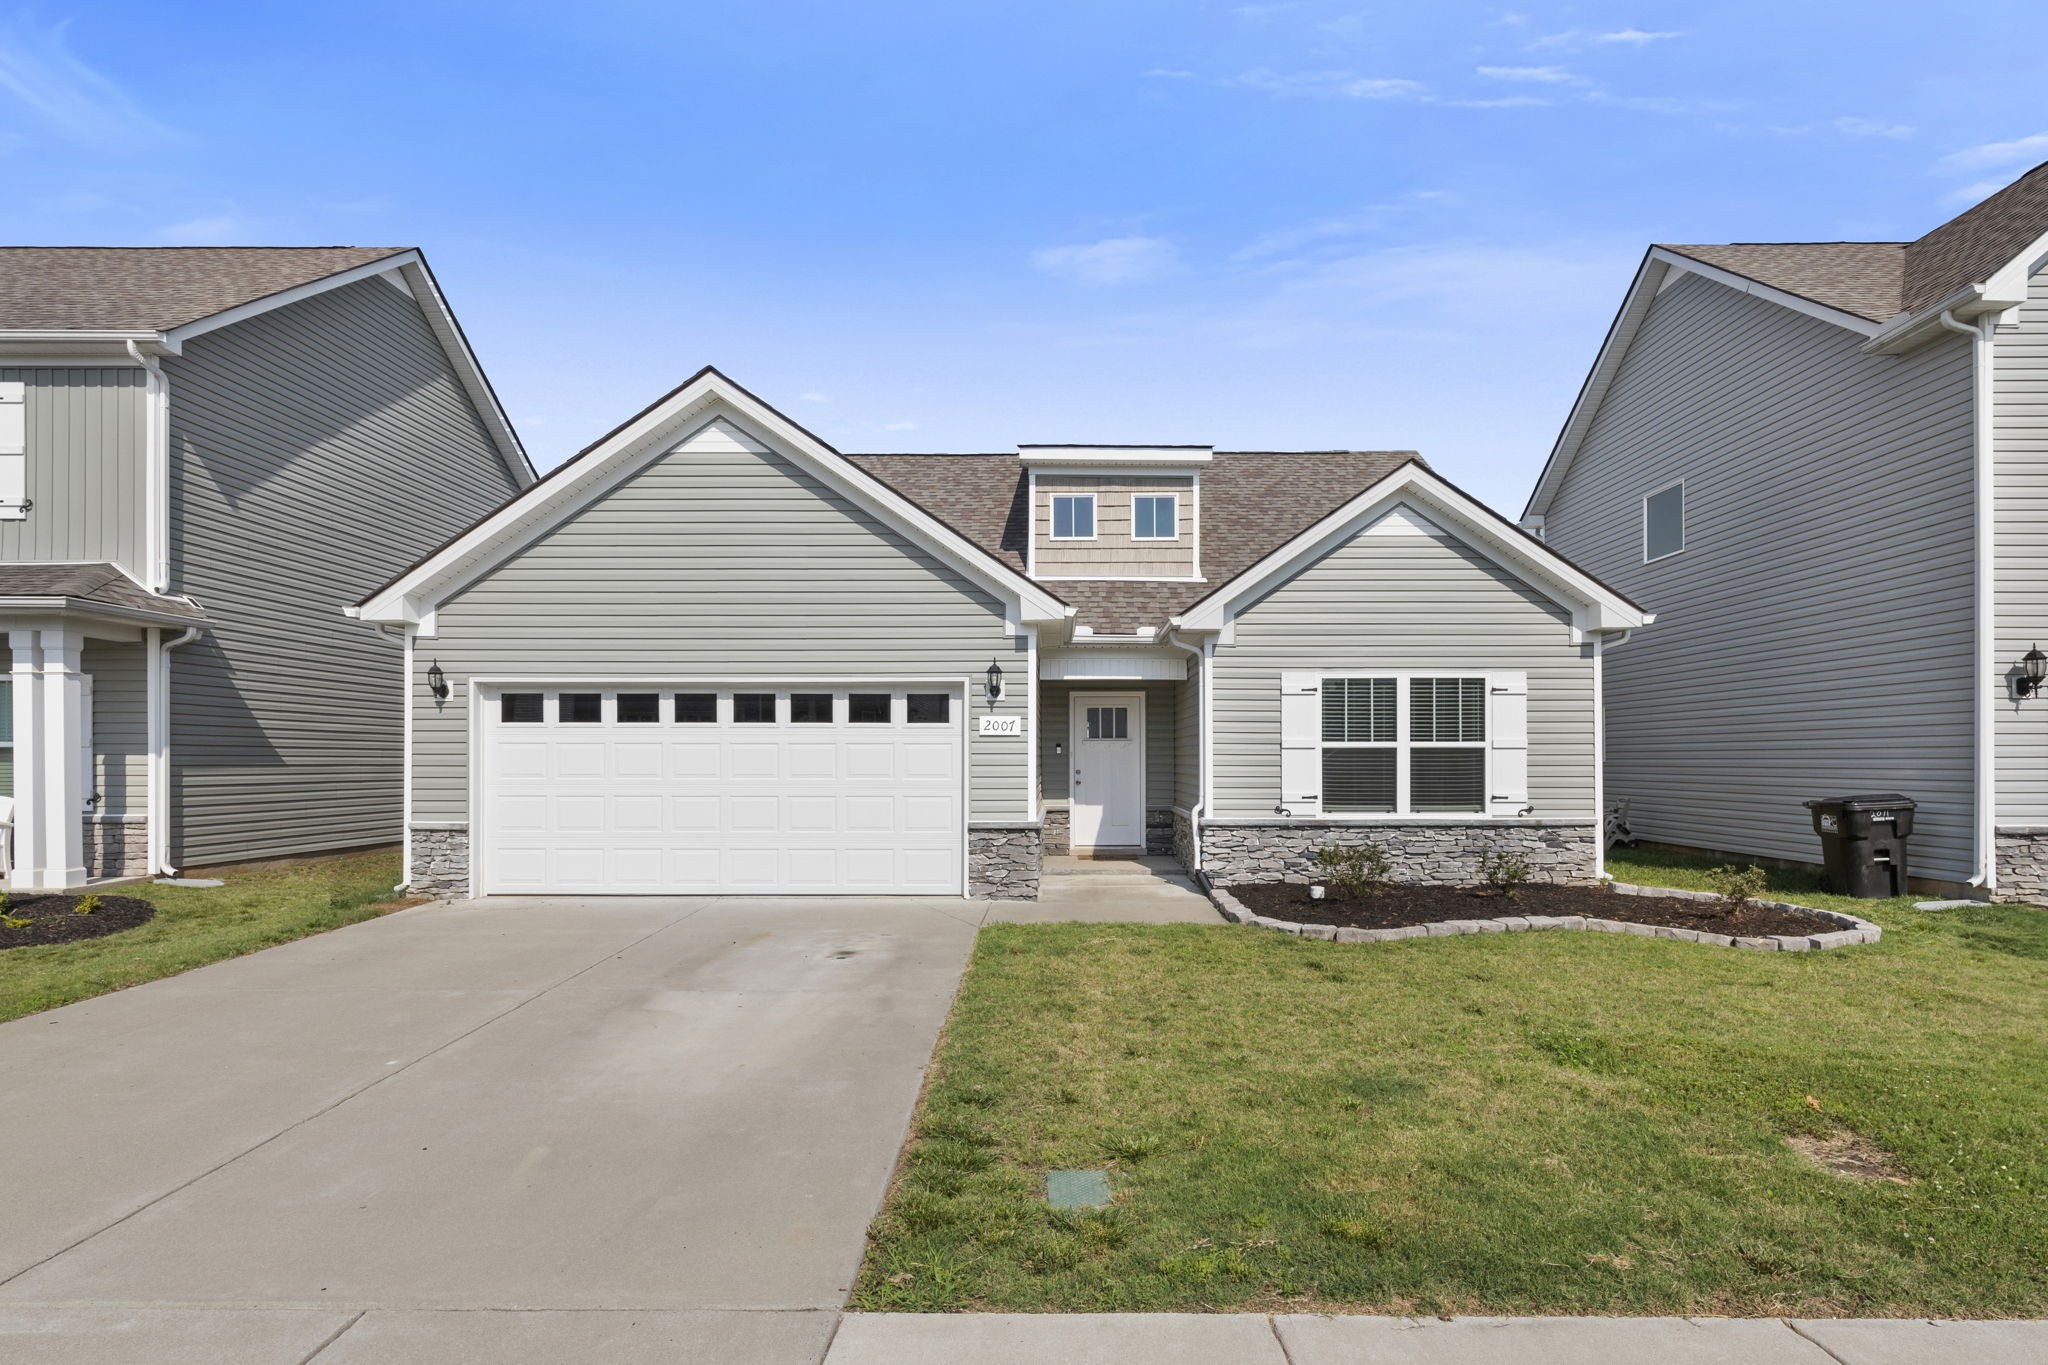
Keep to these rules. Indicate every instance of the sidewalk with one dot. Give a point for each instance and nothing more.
(1300, 1339)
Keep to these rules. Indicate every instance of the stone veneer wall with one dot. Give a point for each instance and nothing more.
(1430, 854)
(440, 862)
(1058, 831)
(1159, 832)
(1184, 840)
(116, 848)
(1056, 827)
(1003, 862)
(2023, 864)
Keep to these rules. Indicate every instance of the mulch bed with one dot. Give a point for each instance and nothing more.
(55, 919)
(1398, 906)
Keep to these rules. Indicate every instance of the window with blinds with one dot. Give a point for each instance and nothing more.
(1433, 765)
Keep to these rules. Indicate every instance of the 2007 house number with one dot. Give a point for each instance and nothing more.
(1001, 725)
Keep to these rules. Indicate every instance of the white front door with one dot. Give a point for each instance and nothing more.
(1106, 789)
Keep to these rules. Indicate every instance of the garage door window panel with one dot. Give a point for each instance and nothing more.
(810, 708)
(639, 708)
(868, 708)
(696, 708)
(521, 708)
(753, 708)
(929, 708)
(582, 708)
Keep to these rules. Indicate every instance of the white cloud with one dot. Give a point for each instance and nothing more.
(1870, 127)
(1502, 102)
(1548, 75)
(1168, 73)
(813, 397)
(899, 426)
(211, 230)
(1970, 194)
(1634, 37)
(1573, 40)
(1113, 260)
(2001, 153)
(38, 69)
(1342, 85)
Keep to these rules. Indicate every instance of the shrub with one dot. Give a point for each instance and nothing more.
(87, 905)
(1737, 887)
(1502, 870)
(1357, 869)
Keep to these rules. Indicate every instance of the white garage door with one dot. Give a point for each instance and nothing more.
(695, 790)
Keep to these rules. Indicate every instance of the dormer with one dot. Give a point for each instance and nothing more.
(1116, 512)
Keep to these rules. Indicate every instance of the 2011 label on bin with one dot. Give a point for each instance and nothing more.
(1001, 725)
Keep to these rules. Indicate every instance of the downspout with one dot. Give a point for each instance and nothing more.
(156, 425)
(160, 747)
(1985, 716)
(1601, 644)
(1201, 806)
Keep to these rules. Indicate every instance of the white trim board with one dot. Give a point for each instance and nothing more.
(707, 397)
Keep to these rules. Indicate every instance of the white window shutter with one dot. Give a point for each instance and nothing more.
(13, 449)
(1301, 734)
(1507, 740)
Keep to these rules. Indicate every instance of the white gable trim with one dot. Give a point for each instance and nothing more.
(1402, 503)
(417, 280)
(1660, 267)
(709, 396)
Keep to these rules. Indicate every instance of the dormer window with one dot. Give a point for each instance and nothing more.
(1073, 516)
(1155, 516)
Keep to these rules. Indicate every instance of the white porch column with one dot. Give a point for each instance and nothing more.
(63, 782)
(27, 679)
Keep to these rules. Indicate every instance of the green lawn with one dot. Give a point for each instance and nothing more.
(257, 908)
(1526, 1123)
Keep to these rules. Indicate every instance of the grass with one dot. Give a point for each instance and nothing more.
(1526, 1123)
(194, 926)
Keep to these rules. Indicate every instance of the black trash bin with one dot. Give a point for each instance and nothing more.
(1863, 842)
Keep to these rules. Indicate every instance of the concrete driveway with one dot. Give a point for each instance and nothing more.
(534, 1130)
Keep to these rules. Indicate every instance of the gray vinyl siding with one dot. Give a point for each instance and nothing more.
(722, 559)
(1162, 725)
(2021, 408)
(316, 450)
(120, 725)
(1187, 738)
(1814, 637)
(85, 468)
(1401, 603)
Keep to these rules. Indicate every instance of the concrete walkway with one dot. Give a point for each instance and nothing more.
(1110, 890)
(1254, 1339)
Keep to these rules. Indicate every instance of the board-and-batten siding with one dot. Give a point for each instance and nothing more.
(316, 450)
(722, 559)
(1163, 724)
(1814, 637)
(2021, 407)
(1402, 601)
(85, 469)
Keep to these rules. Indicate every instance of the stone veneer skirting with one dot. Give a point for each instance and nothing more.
(2022, 853)
(440, 862)
(1435, 854)
(1055, 828)
(116, 848)
(1003, 862)
(1184, 839)
(1058, 827)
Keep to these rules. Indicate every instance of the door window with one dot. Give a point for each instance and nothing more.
(1109, 722)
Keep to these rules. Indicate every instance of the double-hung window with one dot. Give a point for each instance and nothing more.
(1073, 516)
(1155, 516)
(1403, 744)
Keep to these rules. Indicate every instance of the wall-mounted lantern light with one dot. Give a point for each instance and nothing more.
(995, 681)
(2036, 665)
(437, 682)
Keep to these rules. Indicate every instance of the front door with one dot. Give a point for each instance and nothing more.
(1106, 791)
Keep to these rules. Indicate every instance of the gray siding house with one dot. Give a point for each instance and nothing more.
(1825, 466)
(712, 655)
(205, 453)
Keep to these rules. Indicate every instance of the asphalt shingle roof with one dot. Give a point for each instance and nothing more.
(154, 288)
(101, 583)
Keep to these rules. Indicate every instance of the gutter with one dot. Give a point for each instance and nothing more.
(1982, 332)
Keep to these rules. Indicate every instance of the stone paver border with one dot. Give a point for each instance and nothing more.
(1853, 930)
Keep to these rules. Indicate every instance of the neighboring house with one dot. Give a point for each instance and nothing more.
(1825, 466)
(205, 453)
(710, 654)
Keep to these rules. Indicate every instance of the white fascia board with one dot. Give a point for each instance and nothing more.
(1658, 269)
(1092, 457)
(419, 282)
(416, 593)
(1594, 607)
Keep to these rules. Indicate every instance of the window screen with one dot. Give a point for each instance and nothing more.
(1073, 518)
(868, 708)
(929, 708)
(1447, 780)
(514, 708)
(753, 708)
(696, 708)
(582, 708)
(1358, 781)
(1664, 523)
(1152, 517)
(1447, 710)
(639, 708)
(1358, 710)
(810, 708)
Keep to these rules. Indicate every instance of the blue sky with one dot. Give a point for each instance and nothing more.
(958, 226)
